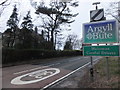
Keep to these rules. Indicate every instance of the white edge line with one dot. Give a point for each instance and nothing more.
(66, 76)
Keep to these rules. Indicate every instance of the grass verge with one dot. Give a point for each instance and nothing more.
(100, 79)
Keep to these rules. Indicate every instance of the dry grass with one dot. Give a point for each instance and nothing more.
(100, 79)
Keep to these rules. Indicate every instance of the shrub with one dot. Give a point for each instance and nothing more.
(17, 55)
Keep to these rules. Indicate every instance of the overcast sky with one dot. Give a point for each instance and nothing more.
(84, 13)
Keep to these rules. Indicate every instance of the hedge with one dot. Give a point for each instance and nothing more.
(17, 55)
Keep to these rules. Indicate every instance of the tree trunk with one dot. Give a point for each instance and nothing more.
(52, 39)
(48, 36)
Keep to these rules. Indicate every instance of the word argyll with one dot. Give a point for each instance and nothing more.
(100, 32)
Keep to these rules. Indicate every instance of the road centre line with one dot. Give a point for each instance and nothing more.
(35, 69)
(77, 59)
(85, 57)
(47, 86)
(30, 70)
(74, 59)
(38, 68)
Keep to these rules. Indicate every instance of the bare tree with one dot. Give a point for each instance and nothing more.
(3, 2)
(57, 14)
(114, 10)
(3, 5)
(77, 44)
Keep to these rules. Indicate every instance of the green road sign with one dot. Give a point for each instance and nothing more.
(101, 50)
(100, 32)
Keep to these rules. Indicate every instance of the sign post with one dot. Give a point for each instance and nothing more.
(91, 69)
(100, 31)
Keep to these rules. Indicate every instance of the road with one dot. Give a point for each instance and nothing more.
(41, 75)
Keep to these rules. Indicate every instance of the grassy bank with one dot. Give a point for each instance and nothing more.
(100, 79)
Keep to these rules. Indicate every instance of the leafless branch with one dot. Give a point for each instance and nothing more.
(4, 3)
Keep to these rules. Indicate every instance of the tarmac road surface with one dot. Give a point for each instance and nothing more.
(39, 75)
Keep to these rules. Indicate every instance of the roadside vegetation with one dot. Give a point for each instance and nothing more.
(101, 79)
(48, 35)
(26, 55)
(23, 40)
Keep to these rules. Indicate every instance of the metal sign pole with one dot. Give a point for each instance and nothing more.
(91, 69)
(96, 3)
(91, 61)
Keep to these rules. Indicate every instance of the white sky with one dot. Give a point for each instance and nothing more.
(84, 13)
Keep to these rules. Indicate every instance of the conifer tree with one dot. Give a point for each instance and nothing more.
(13, 25)
(27, 23)
(26, 31)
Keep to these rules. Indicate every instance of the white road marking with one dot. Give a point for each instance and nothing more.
(76, 59)
(42, 67)
(35, 68)
(85, 57)
(64, 77)
(30, 70)
(37, 75)
(19, 82)
(47, 86)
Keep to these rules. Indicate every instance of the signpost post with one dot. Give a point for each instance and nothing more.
(100, 31)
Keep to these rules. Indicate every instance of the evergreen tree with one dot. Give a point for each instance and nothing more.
(35, 38)
(27, 23)
(71, 42)
(13, 25)
(26, 32)
(68, 45)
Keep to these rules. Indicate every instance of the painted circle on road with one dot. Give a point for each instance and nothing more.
(36, 76)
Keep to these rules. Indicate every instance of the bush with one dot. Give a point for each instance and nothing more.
(17, 55)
